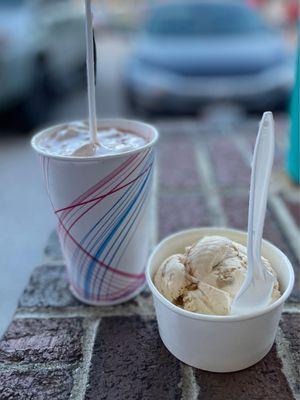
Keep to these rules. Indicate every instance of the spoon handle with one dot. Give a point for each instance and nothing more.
(260, 178)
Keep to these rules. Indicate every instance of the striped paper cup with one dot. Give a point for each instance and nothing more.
(102, 207)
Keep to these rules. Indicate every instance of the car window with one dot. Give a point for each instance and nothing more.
(203, 19)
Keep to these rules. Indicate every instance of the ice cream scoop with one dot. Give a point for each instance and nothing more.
(207, 276)
(208, 299)
(207, 253)
(172, 278)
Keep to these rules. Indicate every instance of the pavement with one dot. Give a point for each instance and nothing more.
(58, 348)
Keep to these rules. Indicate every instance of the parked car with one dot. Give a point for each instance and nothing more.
(42, 50)
(190, 54)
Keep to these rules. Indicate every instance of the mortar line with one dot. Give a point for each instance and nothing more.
(291, 308)
(80, 312)
(36, 366)
(244, 149)
(284, 353)
(81, 374)
(51, 263)
(210, 189)
(189, 386)
(286, 222)
(199, 191)
(293, 194)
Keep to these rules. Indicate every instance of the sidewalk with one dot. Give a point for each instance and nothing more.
(57, 348)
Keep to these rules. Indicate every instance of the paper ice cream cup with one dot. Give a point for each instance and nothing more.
(102, 206)
(218, 343)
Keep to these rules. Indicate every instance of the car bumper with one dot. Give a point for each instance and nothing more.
(187, 93)
(185, 103)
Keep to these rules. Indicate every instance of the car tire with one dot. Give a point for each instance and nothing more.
(130, 101)
(133, 108)
(281, 105)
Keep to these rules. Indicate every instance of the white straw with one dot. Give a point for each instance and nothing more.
(90, 72)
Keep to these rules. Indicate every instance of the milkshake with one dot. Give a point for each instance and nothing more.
(100, 194)
(73, 139)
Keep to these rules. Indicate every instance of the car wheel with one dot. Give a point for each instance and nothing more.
(281, 105)
(130, 101)
(133, 107)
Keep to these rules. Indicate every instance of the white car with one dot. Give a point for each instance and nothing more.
(193, 53)
(42, 49)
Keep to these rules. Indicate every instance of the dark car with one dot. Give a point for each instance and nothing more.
(191, 54)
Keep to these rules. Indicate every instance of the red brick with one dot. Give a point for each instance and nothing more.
(38, 385)
(177, 165)
(230, 167)
(236, 209)
(178, 129)
(42, 340)
(294, 209)
(130, 362)
(290, 325)
(48, 287)
(181, 212)
(295, 296)
(263, 381)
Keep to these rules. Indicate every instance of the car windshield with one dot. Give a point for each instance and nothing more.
(203, 19)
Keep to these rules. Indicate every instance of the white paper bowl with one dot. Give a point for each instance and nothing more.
(210, 342)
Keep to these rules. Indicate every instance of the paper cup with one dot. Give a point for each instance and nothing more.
(218, 343)
(102, 206)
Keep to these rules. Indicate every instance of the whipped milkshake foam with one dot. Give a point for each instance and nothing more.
(73, 139)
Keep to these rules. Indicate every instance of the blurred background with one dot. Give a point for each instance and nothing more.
(156, 60)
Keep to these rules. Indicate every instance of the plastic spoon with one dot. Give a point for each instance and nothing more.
(90, 61)
(258, 285)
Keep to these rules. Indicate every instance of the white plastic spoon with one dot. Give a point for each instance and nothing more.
(258, 285)
(90, 62)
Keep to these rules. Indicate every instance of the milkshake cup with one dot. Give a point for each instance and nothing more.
(218, 343)
(102, 206)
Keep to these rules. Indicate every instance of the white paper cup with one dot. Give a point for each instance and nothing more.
(210, 342)
(102, 206)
